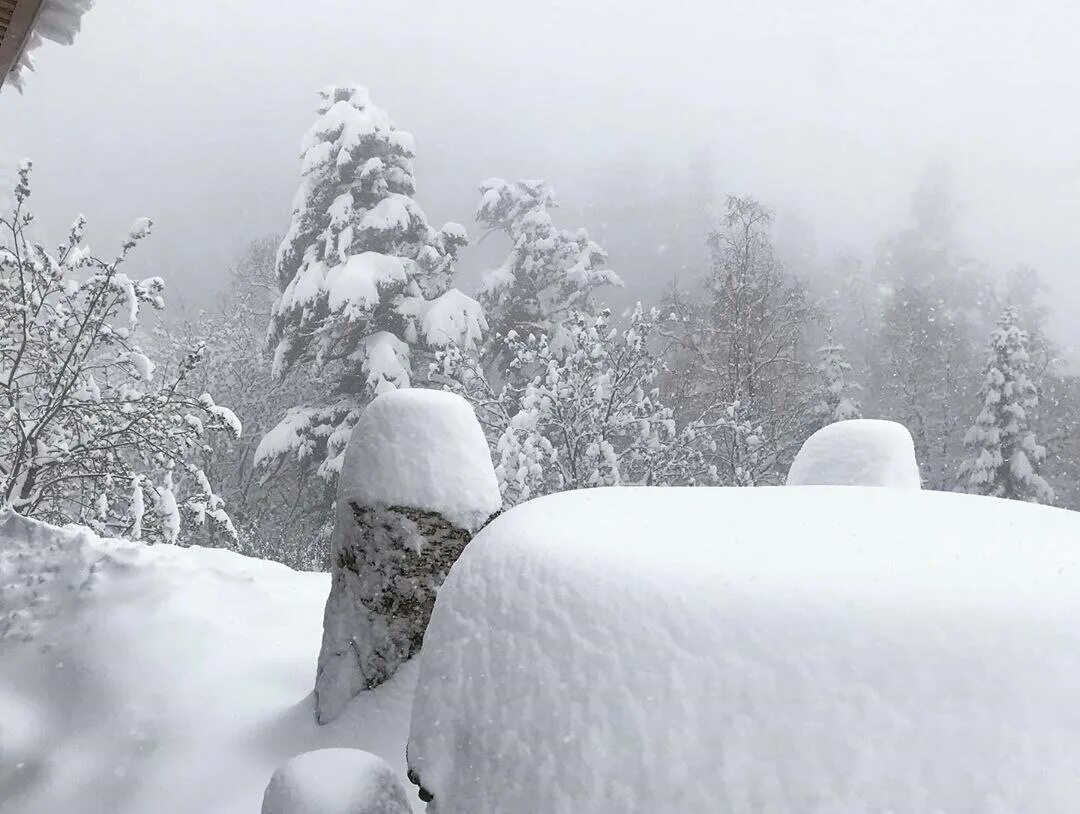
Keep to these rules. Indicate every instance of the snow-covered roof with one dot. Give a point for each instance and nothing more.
(25, 24)
(787, 649)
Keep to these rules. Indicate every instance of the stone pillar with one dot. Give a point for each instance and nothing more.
(416, 484)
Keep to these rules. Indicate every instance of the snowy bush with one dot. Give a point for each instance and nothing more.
(365, 281)
(590, 415)
(416, 485)
(278, 511)
(335, 781)
(1005, 456)
(92, 431)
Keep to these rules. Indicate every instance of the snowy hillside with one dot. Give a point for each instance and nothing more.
(140, 679)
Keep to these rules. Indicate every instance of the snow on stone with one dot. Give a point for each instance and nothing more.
(423, 449)
(335, 781)
(137, 679)
(810, 649)
(861, 452)
(359, 279)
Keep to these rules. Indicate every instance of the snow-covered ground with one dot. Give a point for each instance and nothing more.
(820, 650)
(140, 679)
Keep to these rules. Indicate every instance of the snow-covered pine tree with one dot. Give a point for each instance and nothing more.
(91, 430)
(365, 281)
(835, 400)
(1005, 456)
(549, 272)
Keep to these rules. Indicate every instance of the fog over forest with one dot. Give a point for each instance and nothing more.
(827, 113)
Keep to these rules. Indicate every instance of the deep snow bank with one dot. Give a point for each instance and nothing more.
(796, 649)
(137, 679)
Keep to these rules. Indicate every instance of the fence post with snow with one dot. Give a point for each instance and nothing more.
(416, 485)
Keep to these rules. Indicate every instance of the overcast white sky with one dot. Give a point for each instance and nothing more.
(192, 112)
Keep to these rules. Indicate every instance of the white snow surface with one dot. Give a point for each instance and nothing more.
(335, 781)
(793, 649)
(859, 452)
(138, 679)
(423, 449)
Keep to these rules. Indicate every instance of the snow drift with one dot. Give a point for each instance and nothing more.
(859, 452)
(810, 649)
(139, 679)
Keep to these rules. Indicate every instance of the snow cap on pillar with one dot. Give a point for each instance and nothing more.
(423, 449)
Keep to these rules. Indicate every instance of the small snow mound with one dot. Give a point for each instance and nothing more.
(335, 781)
(421, 449)
(861, 452)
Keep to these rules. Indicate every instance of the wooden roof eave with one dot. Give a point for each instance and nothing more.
(18, 32)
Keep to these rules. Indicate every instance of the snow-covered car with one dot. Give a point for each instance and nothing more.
(795, 649)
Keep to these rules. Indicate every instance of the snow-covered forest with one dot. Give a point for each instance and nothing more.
(243, 410)
(482, 515)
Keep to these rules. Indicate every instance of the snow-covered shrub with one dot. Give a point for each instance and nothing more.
(91, 430)
(279, 512)
(857, 452)
(416, 485)
(1005, 455)
(755, 650)
(335, 781)
(365, 281)
(588, 415)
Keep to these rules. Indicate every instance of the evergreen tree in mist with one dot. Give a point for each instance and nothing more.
(549, 273)
(365, 280)
(1004, 455)
(836, 401)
